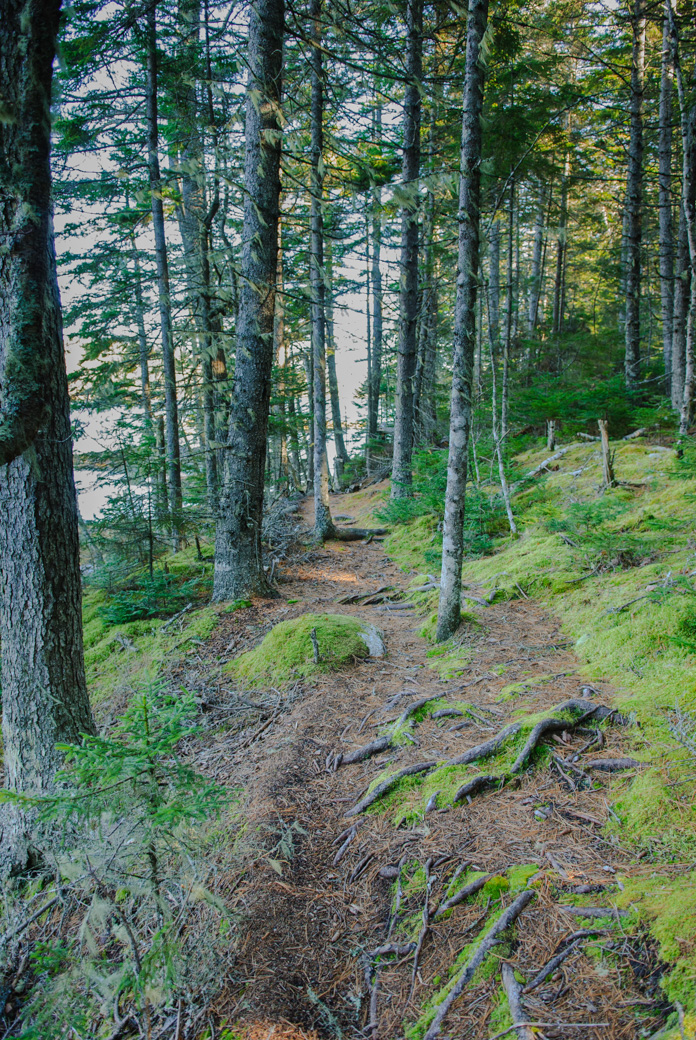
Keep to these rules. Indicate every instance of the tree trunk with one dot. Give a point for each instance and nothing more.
(665, 202)
(494, 282)
(537, 256)
(682, 287)
(550, 434)
(323, 524)
(449, 610)
(376, 353)
(44, 695)
(607, 457)
(165, 303)
(194, 226)
(634, 199)
(497, 441)
(561, 248)
(339, 442)
(238, 555)
(402, 476)
(687, 113)
(509, 310)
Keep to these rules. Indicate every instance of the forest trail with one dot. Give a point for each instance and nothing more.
(308, 925)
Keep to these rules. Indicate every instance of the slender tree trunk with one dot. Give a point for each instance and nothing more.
(238, 555)
(165, 304)
(537, 256)
(323, 524)
(402, 476)
(607, 457)
(376, 352)
(561, 249)
(665, 202)
(494, 282)
(497, 441)
(509, 312)
(687, 113)
(44, 695)
(449, 610)
(280, 351)
(682, 289)
(634, 199)
(339, 442)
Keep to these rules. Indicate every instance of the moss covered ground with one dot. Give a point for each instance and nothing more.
(617, 566)
(287, 654)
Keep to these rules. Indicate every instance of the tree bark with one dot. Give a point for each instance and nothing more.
(339, 442)
(509, 310)
(687, 114)
(402, 476)
(665, 202)
(561, 248)
(375, 382)
(634, 199)
(44, 695)
(238, 555)
(537, 255)
(449, 609)
(607, 459)
(323, 524)
(194, 223)
(682, 289)
(165, 304)
(494, 282)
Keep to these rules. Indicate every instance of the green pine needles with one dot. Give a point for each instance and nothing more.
(141, 931)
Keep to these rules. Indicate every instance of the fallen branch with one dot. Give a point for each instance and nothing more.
(551, 1025)
(595, 911)
(612, 765)
(476, 960)
(356, 534)
(513, 990)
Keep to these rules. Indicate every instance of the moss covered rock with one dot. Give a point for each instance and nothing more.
(287, 652)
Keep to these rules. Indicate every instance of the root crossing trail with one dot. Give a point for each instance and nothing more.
(396, 921)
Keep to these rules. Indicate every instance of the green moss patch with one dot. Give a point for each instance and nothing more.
(287, 653)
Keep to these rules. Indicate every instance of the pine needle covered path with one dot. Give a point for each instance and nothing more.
(394, 919)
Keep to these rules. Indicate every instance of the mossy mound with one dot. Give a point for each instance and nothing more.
(287, 653)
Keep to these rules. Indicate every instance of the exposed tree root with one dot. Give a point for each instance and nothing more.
(513, 991)
(476, 960)
(468, 890)
(487, 748)
(569, 944)
(386, 741)
(386, 785)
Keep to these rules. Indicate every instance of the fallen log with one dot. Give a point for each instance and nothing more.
(612, 765)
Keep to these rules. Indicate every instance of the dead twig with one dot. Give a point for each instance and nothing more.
(513, 990)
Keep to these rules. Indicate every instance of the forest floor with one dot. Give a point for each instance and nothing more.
(308, 925)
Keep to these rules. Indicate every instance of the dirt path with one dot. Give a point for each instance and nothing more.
(307, 925)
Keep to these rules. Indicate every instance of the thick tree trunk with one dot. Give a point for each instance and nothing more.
(634, 199)
(449, 610)
(402, 476)
(323, 524)
(44, 695)
(165, 304)
(238, 556)
(665, 202)
(339, 442)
